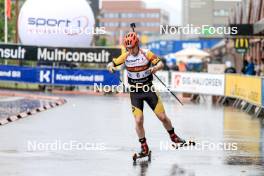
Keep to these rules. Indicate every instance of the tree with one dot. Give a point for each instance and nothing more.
(101, 41)
(11, 23)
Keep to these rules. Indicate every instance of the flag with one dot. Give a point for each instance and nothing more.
(8, 8)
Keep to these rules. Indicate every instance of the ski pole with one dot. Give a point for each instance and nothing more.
(168, 89)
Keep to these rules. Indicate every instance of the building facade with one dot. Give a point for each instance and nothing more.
(117, 15)
(251, 12)
(210, 12)
(206, 12)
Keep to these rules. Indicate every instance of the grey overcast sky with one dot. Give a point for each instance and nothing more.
(173, 7)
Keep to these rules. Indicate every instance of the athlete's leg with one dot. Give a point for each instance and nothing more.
(137, 110)
(139, 121)
(164, 119)
(156, 105)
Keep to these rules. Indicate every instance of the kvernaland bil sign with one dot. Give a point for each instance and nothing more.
(63, 23)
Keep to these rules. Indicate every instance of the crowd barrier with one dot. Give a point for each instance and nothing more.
(248, 90)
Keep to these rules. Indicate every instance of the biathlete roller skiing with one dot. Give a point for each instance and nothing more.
(141, 65)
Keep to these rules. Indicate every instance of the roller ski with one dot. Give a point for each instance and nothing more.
(145, 152)
(178, 142)
(137, 156)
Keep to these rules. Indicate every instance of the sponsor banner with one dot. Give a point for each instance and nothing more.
(58, 54)
(18, 74)
(164, 77)
(200, 83)
(85, 77)
(58, 76)
(244, 87)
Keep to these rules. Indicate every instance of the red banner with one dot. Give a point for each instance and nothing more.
(8, 8)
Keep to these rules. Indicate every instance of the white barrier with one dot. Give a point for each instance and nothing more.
(164, 77)
(198, 83)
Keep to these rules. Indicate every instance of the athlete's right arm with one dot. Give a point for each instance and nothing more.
(116, 62)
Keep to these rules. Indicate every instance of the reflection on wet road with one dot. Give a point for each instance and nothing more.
(105, 124)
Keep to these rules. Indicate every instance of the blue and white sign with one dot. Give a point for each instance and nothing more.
(85, 77)
(58, 76)
(15, 73)
(44, 76)
(162, 48)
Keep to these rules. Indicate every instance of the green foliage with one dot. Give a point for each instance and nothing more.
(11, 23)
(101, 42)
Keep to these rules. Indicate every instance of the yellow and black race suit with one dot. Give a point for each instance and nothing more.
(138, 74)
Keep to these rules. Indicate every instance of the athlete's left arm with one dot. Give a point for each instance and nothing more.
(159, 66)
(156, 61)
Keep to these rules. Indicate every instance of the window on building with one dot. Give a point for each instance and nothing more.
(142, 15)
(123, 15)
(111, 24)
(110, 15)
(123, 24)
(130, 15)
(221, 12)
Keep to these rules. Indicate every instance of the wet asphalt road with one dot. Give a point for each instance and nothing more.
(105, 125)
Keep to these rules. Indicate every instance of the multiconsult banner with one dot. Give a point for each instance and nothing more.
(58, 54)
(247, 88)
(199, 83)
(58, 76)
